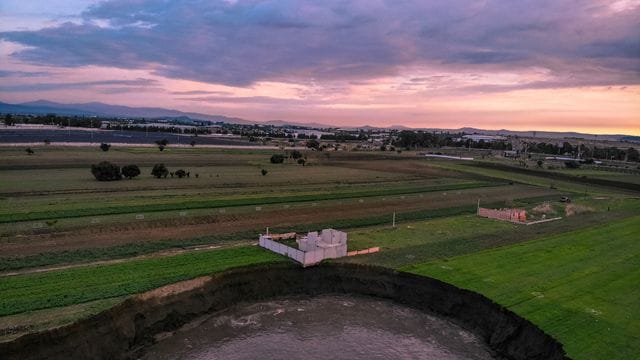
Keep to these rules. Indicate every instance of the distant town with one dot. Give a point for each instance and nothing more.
(572, 150)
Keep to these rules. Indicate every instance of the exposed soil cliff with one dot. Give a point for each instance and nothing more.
(124, 331)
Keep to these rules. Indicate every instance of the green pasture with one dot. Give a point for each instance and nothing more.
(80, 180)
(93, 207)
(581, 287)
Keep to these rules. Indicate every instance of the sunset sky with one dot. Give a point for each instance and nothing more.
(520, 65)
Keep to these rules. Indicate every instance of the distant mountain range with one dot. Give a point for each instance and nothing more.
(107, 110)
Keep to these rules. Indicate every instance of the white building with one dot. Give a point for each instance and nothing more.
(312, 248)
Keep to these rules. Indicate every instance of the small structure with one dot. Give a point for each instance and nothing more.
(312, 248)
(509, 214)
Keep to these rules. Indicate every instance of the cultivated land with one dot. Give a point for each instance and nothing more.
(71, 246)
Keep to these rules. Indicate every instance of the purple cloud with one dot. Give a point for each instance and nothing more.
(240, 43)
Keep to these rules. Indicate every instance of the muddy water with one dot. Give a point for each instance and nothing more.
(324, 327)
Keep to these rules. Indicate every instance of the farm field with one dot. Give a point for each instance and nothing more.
(570, 182)
(71, 246)
(580, 287)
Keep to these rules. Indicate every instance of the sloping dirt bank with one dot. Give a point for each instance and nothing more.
(124, 331)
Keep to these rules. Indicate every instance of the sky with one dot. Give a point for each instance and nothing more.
(557, 65)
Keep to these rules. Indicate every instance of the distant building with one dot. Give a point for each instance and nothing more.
(485, 138)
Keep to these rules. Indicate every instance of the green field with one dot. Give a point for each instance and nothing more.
(580, 287)
(71, 246)
(24, 293)
(167, 202)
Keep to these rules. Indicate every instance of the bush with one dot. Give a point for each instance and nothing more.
(295, 154)
(301, 161)
(163, 142)
(277, 159)
(130, 171)
(263, 172)
(105, 147)
(572, 164)
(161, 147)
(313, 144)
(159, 170)
(181, 173)
(29, 151)
(106, 171)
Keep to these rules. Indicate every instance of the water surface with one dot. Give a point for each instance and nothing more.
(323, 327)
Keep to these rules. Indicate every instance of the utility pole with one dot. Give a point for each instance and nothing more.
(394, 219)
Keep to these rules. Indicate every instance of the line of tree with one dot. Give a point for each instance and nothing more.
(106, 171)
(407, 139)
(584, 152)
(52, 119)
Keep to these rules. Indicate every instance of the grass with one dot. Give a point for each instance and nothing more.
(580, 287)
(534, 177)
(22, 293)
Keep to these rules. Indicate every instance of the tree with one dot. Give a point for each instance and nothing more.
(263, 172)
(105, 147)
(192, 143)
(313, 144)
(540, 162)
(163, 142)
(181, 173)
(161, 147)
(29, 151)
(130, 171)
(8, 120)
(106, 171)
(159, 170)
(277, 159)
(301, 161)
(633, 155)
(295, 154)
(47, 141)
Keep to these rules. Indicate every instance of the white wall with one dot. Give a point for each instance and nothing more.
(305, 258)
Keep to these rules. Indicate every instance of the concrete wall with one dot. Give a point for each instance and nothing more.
(282, 249)
(364, 251)
(306, 258)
